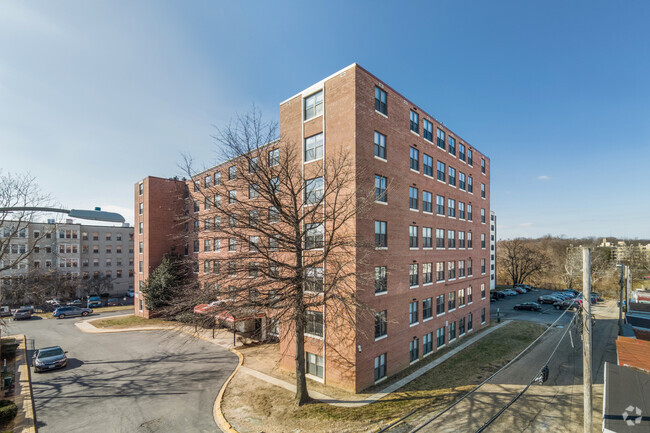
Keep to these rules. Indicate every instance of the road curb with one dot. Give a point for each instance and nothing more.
(217, 413)
(25, 421)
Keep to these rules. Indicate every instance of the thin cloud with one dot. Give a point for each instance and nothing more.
(544, 177)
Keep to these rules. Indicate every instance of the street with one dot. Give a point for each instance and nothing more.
(153, 381)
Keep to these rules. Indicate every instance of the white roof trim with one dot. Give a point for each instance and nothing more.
(319, 84)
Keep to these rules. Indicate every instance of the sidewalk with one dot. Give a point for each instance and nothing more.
(25, 419)
(384, 392)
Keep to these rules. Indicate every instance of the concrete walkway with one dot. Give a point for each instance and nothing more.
(25, 419)
(384, 392)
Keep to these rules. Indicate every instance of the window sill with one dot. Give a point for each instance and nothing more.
(441, 346)
(381, 114)
(413, 362)
(312, 118)
(453, 309)
(427, 213)
(413, 248)
(414, 171)
(427, 319)
(383, 378)
(381, 248)
(414, 133)
(381, 159)
(414, 210)
(413, 324)
(315, 337)
(424, 355)
(440, 315)
(430, 177)
(311, 160)
(442, 181)
(381, 338)
(414, 287)
(427, 284)
(381, 293)
(315, 378)
(385, 203)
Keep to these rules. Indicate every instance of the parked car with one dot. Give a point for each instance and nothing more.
(53, 301)
(494, 296)
(49, 358)
(76, 302)
(595, 298)
(113, 302)
(27, 307)
(500, 294)
(130, 293)
(573, 292)
(5, 311)
(526, 287)
(572, 304)
(22, 314)
(519, 290)
(94, 302)
(509, 292)
(63, 312)
(533, 306)
(548, 299)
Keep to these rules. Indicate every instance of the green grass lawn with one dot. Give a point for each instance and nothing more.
(128, 322)
(444, 383)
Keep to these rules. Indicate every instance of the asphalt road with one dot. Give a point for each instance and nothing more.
(150, 381)
(506, 310)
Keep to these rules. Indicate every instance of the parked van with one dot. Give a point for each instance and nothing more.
(5, 311)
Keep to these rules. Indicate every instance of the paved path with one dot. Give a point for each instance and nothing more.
(384, 392)
(155, 381)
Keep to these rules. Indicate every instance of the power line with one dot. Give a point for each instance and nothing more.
(478, 386)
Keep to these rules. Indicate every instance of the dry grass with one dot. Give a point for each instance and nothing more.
(252, 405)
(128, 322)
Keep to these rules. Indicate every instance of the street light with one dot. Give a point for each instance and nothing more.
(95, 215)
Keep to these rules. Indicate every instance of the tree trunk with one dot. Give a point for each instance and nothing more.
(302, 395)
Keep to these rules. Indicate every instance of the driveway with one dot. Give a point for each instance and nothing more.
(150, 381)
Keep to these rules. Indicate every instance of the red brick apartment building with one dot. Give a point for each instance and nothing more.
(430, 225)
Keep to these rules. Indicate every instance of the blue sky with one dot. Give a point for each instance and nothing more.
(96, 95)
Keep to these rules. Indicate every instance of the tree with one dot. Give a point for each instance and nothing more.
(521, 259)
(290, 234)
(164, 287)
(18, 190)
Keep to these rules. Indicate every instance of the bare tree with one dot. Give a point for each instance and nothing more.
(288, 229)
(521, 259)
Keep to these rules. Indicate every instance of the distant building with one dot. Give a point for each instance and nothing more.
(493, 250)
(78, 251)
(621, 251)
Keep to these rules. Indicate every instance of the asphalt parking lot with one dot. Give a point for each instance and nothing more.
(152, 381)
(504, 307)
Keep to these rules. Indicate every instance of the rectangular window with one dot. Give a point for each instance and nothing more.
(140, 188)
(461, 298)
(380, 145)
(314, 325)
(216, 245)
(470, 184)
(482, 165)
(413, 275)
(469, 157)
(415, 122)
(452, 145)
(482, 190)
(140, 208)
(469, 212)
(461, 268)
(452, 176)
(482, 291)
(315, 365)
(427, 343)
(381, 101)
(427, 165)
(461, 210)
(452, 331)
(217, 178)
(469, 267)
(253, 218)
(440, 238)
(428, 129)
(380, 367)
(252, 191)
(314, 147)
(206, 267)
(451, 208)
(469, 295)
(314, 279)
(451, 301)
(427, 273)
(232, 196)
(482, 315)
(208, 181)
(413, 236)
(440, 271)
(314, 190)
(413, 198)
(441, 138)
(413, 313)
(483, 240)
(427, 204)
(232, 244)
(380, 189)
(232, 172)
(380, 279)
(381, 240)
(274, 157)
(415, 159)
(427, 308)
(440, 205)
(314, 105)
(427, 237)
(461, 151)
(413, 350)
(451, 268)
(206, 245)
(440, 337)
(441, 171)
(482, 266)
(314, 235)
(461, 239)
(440, 305)
(461, 181)
(469, 322)
(380, 324)
(253, 243)
(482, 216)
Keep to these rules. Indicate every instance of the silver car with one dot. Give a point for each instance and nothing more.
(49, 358)
(23, 314)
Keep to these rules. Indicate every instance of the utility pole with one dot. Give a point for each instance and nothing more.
(628, 292)
(620, 301)
(586, 338)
